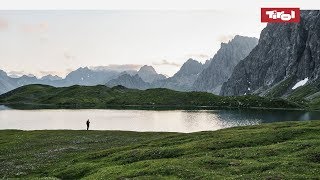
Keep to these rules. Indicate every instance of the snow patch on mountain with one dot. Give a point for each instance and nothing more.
(300, 83)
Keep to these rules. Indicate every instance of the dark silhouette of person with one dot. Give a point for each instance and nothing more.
(88, 124)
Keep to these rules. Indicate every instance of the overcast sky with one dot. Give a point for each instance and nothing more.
(42, 42)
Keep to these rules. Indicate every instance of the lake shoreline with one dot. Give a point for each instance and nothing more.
(161, 132)
(28, 106)
(151, 120)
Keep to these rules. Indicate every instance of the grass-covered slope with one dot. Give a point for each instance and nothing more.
(281, 88)
(308, 94)
(104, 97)
(289, 150)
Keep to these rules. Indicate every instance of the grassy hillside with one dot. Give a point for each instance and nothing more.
(280, 89)
(39, 96)
(289, 150)
(307, 94)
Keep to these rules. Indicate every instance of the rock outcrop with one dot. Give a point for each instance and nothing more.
(221, 65)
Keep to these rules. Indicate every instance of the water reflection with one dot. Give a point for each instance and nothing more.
(144, 120)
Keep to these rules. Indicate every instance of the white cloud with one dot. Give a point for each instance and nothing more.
(165, 62)
(225, 38)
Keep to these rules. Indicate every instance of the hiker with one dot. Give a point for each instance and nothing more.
(88, 124)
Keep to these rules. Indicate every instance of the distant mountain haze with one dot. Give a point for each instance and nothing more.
(51, 77)
(186, 79)
(88, 77)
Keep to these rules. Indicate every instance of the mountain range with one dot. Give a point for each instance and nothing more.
(193, 75)
(87, 77)
(284, 62)
(146, 77)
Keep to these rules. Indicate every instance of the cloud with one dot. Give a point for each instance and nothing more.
(16, 74)
(165, 62)
(225, 38)
(198, 56)
(117, 67)
(35, 28)
(44, 73)
(3, 24)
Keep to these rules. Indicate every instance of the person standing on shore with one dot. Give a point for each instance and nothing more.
(88, 124)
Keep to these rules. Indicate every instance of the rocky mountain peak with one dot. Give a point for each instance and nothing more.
(190, 67)
(2, 73)
(149, 74)
(129, 81)
(51, 77)
(286, 53)
(147, 69)
(221, 65)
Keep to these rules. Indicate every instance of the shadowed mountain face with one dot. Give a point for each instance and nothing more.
(6, 83)
(221, 65)
(184, 78)
(285, 55)
(129, 81)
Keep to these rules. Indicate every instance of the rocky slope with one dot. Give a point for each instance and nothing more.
(221, 65)
(285, 55)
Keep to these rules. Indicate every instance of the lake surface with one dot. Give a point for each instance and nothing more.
(145, 120)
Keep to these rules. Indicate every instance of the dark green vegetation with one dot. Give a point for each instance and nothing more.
(289, 150)
(281, 88)
(307, 96)
(43, 96)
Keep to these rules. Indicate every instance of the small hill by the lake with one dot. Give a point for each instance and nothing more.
(44, 96)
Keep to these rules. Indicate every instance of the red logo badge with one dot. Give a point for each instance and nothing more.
(278, 15)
